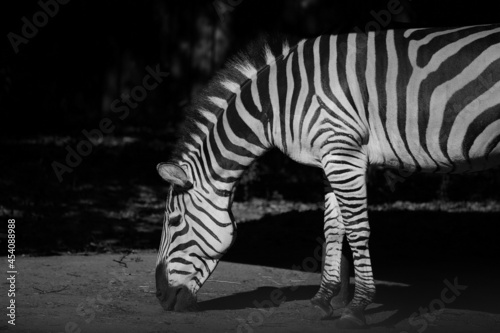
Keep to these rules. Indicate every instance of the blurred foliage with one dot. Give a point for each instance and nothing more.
(91, 53)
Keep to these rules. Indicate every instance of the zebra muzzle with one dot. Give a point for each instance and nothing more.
(178, 299)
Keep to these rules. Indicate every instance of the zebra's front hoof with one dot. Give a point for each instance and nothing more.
(338, 303)
(352, 319)
(323, 305)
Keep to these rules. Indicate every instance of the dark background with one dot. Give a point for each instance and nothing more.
(91, 53)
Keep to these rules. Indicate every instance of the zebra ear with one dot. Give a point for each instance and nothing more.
(174, 174)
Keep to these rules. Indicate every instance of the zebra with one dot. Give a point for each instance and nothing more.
(419, 100)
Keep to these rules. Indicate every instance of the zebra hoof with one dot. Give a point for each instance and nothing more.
(323, 305)
(352, 319)
(338, 303)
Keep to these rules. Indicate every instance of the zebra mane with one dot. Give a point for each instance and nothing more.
(236, 72)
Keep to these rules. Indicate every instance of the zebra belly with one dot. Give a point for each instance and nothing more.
(470, 143)
(475, 148)
(485, 152)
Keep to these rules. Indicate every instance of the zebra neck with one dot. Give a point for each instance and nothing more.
(234, 127)
(230, 146)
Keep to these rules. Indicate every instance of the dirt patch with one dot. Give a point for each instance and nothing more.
(109, 293)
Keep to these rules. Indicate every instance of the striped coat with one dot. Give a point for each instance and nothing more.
(417, 100)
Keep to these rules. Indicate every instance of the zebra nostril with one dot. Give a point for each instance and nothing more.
(159, 294)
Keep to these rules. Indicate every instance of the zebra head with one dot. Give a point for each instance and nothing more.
(197, 231)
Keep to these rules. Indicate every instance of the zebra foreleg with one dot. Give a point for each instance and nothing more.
(342, 299)
(346, 172)
(331, 275)
(358, 234)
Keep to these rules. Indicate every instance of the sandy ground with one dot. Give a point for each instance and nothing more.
(108, 293)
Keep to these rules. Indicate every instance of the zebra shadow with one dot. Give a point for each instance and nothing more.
(403, 302)
(415, 251)
(260, 298)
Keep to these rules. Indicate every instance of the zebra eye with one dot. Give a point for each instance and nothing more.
(174, 221)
